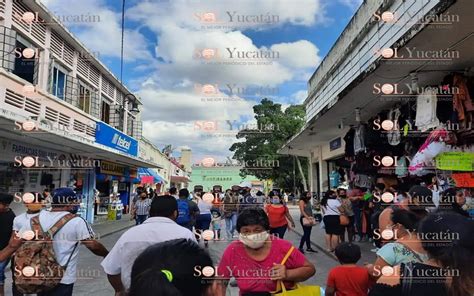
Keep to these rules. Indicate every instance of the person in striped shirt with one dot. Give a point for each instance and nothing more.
(142, 207)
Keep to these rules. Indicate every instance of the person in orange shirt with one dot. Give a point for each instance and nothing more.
(279, 215)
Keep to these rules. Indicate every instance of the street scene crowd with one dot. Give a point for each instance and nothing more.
(423, 246)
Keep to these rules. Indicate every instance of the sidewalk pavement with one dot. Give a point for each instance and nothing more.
(106, 228)
(318, 239)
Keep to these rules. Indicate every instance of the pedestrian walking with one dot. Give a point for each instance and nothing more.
(188, 210)
(331, 210)
(216, 224)
(160, 227)
(141, 207)
(203, 220)
(307, 221)
(246, 200)
(22, 222)
(258, 253)
(173, 267)
(60, 258)
(174, 192)
(231, 208)
(279, 216)
(449, 268)
(6, 221)
(347, 211)
(348, 278)
(407, 246)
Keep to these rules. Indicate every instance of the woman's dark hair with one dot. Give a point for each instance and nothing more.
(180, 257)
(406, 218)
(304, 196)
(348, 253)
(327, 195)
(253, 216)
(454, 250)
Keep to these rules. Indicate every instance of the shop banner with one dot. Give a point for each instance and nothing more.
(455, 161)
(464, 180)
(109, 168)
(110, 137)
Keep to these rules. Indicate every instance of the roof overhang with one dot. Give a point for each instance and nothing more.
(325, 126)
(65, 141)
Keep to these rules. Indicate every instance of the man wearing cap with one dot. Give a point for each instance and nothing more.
(246, 200)
(66, 240)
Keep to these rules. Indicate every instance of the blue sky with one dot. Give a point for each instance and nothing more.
(163, 43)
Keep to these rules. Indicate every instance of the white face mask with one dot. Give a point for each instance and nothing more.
(254, 241)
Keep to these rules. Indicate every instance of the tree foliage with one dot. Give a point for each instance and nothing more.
(274, 128)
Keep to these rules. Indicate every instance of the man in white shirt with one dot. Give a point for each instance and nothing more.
(160, 227)
(66, 239)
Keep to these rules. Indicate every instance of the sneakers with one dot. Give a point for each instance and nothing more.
(301, 250)
(311, 250)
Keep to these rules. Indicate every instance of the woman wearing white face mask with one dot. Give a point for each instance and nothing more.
(278, 215)
(254, 260)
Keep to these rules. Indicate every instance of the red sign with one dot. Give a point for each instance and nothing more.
(465, 180)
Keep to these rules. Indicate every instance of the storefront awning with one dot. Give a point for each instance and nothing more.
(65, 142)
(147, 172)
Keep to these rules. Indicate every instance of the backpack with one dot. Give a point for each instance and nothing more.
(184, 215)
(38, 257)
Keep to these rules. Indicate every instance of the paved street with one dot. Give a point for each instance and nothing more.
(93, 280)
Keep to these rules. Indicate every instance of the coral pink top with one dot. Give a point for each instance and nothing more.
(253, 275)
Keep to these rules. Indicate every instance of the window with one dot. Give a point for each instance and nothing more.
(59, 83)
(25, 66)
(84, 98)
(105, 112)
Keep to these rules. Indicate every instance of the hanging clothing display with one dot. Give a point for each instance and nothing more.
(349, 140)
(359, 139)
(402, 169)
(461, 99)
(334, 179)
(426, 110)
(393, 135)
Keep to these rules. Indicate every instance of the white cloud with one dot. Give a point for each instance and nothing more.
(299, 96)
(104, 34)
(299, 54)
(171, 106)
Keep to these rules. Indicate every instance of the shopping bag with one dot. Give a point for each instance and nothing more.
(299, 289)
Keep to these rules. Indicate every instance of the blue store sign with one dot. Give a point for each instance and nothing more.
(110, 137)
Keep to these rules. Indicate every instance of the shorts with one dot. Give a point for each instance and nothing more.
(3, 265)
(332, 225)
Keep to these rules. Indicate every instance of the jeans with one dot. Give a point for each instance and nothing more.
(59, 290)
(306, 238)
(357, 220)
(230, 225)
(3, 265)
(140, 219)
(279, 231)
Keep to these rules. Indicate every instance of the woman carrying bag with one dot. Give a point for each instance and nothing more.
(332, 210)
(307, 221)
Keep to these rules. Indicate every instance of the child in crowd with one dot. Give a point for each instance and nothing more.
(6, 221)
(216, 224)
(348, 279)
